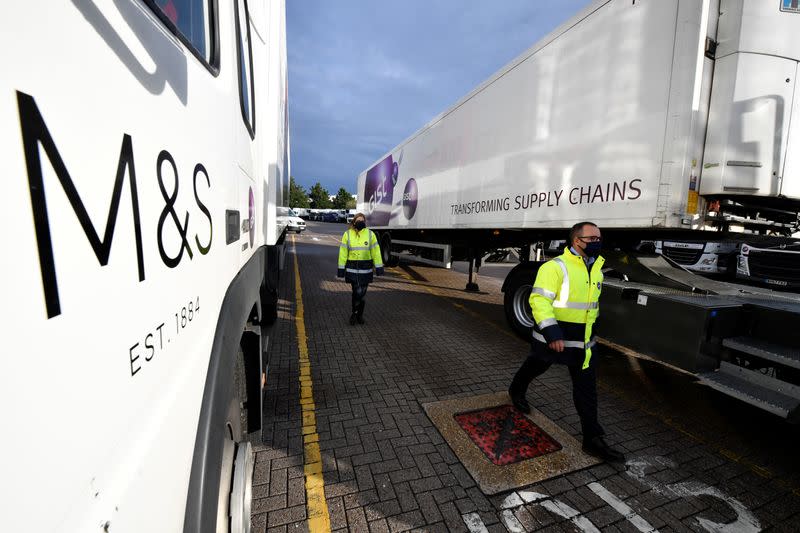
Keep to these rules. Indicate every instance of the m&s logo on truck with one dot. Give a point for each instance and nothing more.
(193, 237)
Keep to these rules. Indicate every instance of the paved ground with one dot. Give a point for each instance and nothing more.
(698, 461)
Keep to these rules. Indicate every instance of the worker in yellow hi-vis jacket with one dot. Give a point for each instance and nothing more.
(565, 304)
(358, 254)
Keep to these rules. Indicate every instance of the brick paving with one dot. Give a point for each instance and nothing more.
(694, 457)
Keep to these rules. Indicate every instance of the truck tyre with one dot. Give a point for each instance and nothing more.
(236, 465)
(389, 260)
(517, 291)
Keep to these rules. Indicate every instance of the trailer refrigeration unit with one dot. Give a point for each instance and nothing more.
(658, 120)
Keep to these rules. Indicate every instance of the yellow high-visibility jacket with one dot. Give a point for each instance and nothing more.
(565, 303)
(358, 253)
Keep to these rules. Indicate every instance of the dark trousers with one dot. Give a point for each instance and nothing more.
(359, 293)
(584, 391)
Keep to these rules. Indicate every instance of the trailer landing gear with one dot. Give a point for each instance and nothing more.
(472, 286)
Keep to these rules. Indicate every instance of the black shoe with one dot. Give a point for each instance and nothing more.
(353, 319)
(598, 447)
(360, 319)
(519, 402)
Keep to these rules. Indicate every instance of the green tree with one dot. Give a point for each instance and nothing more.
(342, 199)
(297, 195)
(320, 197)
(351, 203)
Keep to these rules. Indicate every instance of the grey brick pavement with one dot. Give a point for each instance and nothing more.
(386, 467)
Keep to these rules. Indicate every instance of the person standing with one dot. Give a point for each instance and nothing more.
(359, 252)
(565, 304)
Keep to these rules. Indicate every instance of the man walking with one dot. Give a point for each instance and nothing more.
(564, 300)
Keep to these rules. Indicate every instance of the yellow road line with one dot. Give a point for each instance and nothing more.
(319, 520)
(670, 422)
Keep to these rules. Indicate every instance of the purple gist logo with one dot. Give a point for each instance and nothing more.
(378, 191)
(410, 196)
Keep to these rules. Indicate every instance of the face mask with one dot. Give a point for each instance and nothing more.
(592, 249)
(360, 224)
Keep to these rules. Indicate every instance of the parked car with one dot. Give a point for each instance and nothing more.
(330, 216)
(296, 224)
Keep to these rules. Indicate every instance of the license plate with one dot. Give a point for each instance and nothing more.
(685, 245)
(777, 282)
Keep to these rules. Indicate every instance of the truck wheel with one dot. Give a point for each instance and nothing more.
(236, 468)
(517, 291)
(389, 260)
(236, 476)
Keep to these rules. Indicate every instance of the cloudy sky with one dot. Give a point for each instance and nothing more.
(364, 75)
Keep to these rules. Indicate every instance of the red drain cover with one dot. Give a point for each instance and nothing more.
(506, 436)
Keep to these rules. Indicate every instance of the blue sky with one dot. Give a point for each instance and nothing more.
(364, 75)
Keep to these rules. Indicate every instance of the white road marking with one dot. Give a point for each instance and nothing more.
(512, 500)
(745, 522)
(564, 510)
(530, 496)
(517, 500)
(637, 468)
(474, 523)
(622, 508)
(511, 522)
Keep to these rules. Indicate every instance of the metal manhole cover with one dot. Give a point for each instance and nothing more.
(505, 436)
(505, 467)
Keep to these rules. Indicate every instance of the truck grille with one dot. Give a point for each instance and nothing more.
(682, 256)
(775, 265)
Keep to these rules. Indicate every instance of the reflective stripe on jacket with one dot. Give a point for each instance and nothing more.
(358, 253)
(565, 304)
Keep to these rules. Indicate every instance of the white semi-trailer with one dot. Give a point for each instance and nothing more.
(145, 153)
(656, 120)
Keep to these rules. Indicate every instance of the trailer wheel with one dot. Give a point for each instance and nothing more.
(236, 476)
(517, 291)
(237, 461)
(389, 260)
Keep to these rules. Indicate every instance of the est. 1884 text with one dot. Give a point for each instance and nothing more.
(157, 340)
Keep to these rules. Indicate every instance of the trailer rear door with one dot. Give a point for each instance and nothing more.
(749, 123)
(790, 178)
(753, 101)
